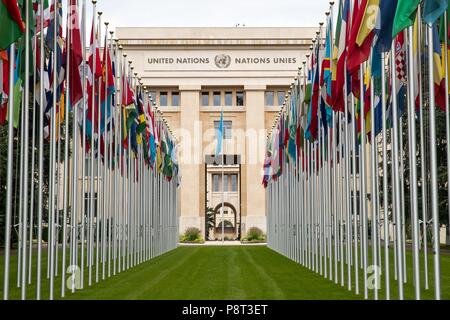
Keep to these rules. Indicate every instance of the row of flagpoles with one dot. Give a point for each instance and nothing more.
(337, 159)
(91, 162)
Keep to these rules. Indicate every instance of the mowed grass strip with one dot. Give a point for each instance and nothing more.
(235, 272)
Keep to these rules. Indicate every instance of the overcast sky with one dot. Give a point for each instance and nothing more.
(212, 13)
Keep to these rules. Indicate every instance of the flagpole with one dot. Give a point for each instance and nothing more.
(396, 177)
(422, 156)
(26, 142)
(412, 164)
(92, 211)
(385, 179)
(447, 113)
(374, 191)
(41, 158)
(83, 150)
(355, 198)
(434, 177)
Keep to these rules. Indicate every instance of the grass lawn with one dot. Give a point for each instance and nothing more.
(230, 272)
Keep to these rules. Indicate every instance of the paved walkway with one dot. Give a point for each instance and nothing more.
(225, 243)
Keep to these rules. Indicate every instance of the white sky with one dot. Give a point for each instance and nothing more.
(211, 13)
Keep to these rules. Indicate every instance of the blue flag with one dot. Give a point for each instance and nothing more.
(219, 135)
(433, 9)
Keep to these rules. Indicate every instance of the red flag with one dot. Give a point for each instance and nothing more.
(74, 53)
(14, 12)
(357, 54)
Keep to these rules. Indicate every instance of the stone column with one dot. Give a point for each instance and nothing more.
(190, 157)
(255, 194)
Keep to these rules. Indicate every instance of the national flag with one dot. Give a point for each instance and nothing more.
(339, 57)
(433, 9)
(11, 24)
(46, 13)
(74, 55)
(4, 85)
(439, 78)
(312, 122)
(383, 29)
(362, 33)
(405, 15)
(107, 83)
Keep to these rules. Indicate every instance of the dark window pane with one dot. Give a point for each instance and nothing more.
(269, 98)
(152, 95)
(175, 99)
(239, 98)
(281, 97)
(217, 101)
(205, 98)
(234, 182)
(163, 99)
(228, 98)
(226, 128)
(216, 183)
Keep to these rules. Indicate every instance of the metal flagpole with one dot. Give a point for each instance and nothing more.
(447, 113)
(83, 148)
(374, 191)
(434, 178)
(25, 158)
(385, 179)
(41, 158)
(64, 236)
(412, 164)
(422, 155)
(396, 178)
(9, 177)
(355, 195)
(92, 209)
(363, 181)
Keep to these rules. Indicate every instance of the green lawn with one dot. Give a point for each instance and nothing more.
(230, 272)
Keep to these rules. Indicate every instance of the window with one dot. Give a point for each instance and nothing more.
(205, 99)
(163, 99)
(215, 183)
(239, 98)
(280, 97)
(233, 182)
(269, 98)
(152, 95)
(226, 128)
(216, 98)
(225, 183)
(228, 98)
(87, 163)
(175, 99)
(87, 202)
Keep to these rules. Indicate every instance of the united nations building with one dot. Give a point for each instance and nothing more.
(196, 73)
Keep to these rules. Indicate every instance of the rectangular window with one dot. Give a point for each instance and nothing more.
(215, 179)
(175, 99)
(233, 182)
(216, 97)
(152, 95)
(205, 99)
(239, 98)
(228, 98)
(87, 167)
(226, 128)
(163, 99)
(225, 183)
(269, 98)
(281, 97)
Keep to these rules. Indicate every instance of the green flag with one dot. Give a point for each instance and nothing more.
(11, 24)
(405, 15)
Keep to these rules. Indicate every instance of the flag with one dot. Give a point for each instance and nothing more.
(17, 90)
(4, 85)
(339, 55)
(46, 14)
(383, 29)
(362, 33)
(433, 9)
(107, 83)
(311, 126)
(74, 55)
(405, 15)
(438, 70)
(219, 136)
(11, 23)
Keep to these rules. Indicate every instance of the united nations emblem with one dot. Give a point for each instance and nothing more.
(222, 61)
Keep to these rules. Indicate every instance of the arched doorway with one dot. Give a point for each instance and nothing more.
(229, 220)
